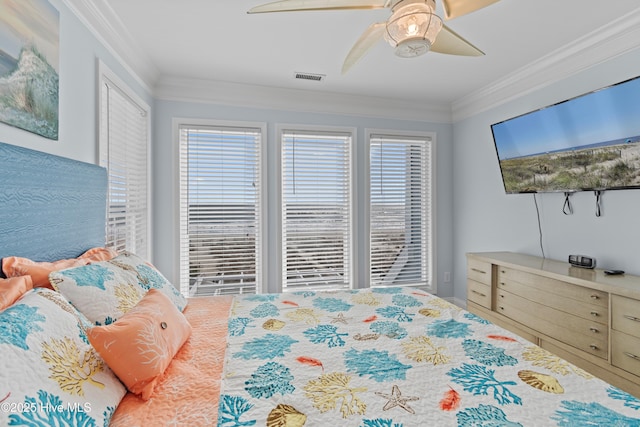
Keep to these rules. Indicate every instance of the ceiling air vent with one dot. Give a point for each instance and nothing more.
(309, 76)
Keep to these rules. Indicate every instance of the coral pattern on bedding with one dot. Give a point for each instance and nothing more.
(104, 291)
(397, 357)
(49, 374)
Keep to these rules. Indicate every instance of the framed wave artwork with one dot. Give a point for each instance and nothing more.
(29, 63)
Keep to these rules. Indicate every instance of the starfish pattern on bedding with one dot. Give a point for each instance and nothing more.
(397, 399)
(340, 318)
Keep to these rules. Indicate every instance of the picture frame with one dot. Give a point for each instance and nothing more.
(29, 63)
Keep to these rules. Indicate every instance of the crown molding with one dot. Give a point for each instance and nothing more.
(105, 25)
(244, 95)
(605, 43)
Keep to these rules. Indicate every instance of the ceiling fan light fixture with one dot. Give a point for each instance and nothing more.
(413, 27)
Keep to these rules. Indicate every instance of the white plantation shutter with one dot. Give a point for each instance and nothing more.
(220, 210)
(316, 210)
(124, 151)
(400, 211)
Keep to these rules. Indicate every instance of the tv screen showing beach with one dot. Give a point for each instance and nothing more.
(591, 142)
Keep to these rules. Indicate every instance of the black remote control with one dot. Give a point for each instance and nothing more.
(613, 272)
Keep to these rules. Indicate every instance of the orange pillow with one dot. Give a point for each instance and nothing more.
(139, 346)
(99, 254)
(14, 266)
(11, 289)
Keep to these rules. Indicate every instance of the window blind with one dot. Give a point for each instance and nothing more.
(124, 151)
(316, 210)
(220, 209)
(400, 211)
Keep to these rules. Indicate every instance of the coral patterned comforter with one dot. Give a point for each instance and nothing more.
(372, 358)
(397, 357)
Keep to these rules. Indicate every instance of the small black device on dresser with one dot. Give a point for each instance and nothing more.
(613, 272)
(582, 261)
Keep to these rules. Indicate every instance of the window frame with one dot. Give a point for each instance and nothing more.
(262, 272)
(282, 128)
(430, 137)
(271, 196)
(105, 77)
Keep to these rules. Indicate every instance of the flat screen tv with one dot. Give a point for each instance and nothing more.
(591, 142)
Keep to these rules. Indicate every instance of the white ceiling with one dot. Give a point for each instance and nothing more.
(216, 41)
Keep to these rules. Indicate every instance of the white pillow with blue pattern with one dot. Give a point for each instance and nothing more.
(49, 373)
(104, 291)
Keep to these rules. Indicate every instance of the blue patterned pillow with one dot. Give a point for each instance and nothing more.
(49, 373)
(104, 291)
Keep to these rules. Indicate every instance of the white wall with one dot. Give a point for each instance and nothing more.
(165, 169)
(79, 50)
(487, 219)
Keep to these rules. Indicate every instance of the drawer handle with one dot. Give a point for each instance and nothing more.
(501, 308)
(594, 330)
(633, 356)
(635, 319)
(503, 271)
(595, 314)
(477, 270)
(503, 284)
(501, 296)
(593, 347)
(595, 297)
(478, 293)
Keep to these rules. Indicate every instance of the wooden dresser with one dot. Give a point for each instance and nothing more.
(581, 315)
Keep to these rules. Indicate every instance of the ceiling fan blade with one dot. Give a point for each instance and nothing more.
(455, 8)
(449, 42)
(298, 5)
(367, 40)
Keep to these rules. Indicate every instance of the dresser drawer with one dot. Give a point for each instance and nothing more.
(625, 315)
(478, 270)
(625, 352)
(577, 332)
(588, 311)
(546, 285)
(479, 293)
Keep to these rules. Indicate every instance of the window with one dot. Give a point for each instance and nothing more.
(124, 151)
(400, 210)
(305, 189)
(220, 208)
(316, 210)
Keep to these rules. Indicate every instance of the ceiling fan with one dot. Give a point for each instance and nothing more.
(413, 28)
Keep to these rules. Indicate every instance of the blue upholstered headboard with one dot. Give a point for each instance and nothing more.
(51, 207)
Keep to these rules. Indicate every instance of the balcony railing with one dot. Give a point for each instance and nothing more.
(216, 241)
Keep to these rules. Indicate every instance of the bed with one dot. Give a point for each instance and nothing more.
(372, 357)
